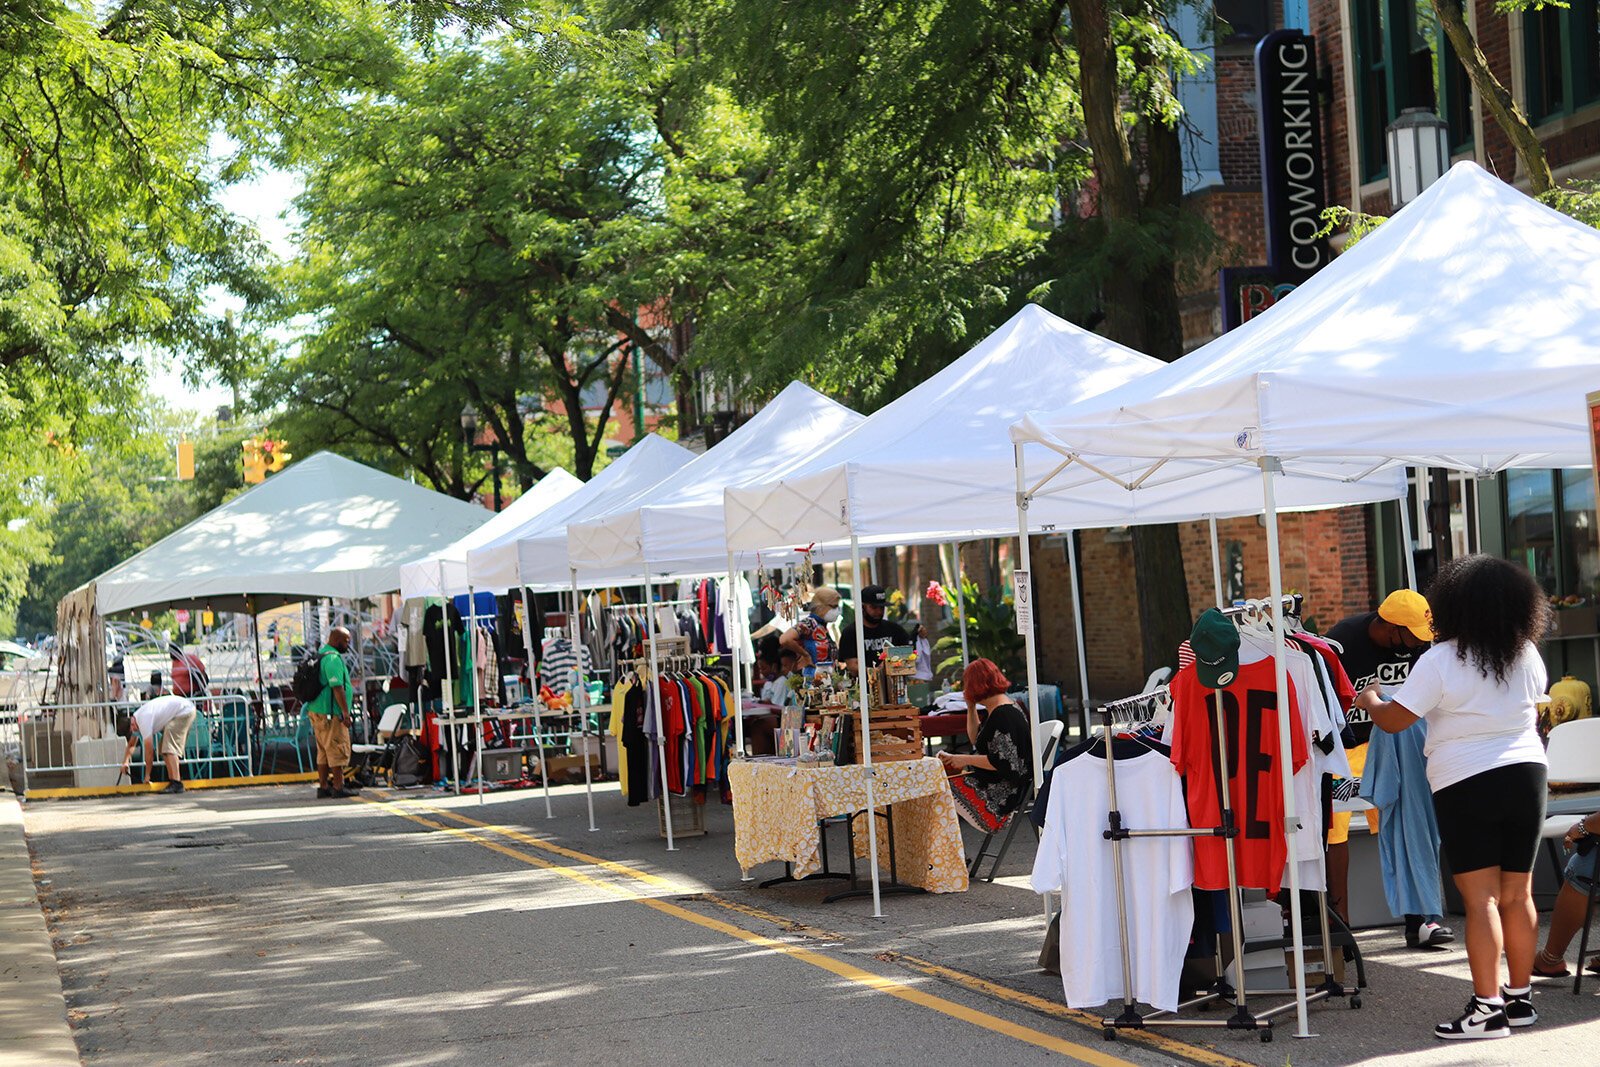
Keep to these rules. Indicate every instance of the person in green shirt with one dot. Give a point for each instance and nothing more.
(330, 717)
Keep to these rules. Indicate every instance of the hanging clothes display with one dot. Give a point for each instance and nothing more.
(1255, 770)
(1075, 859)
(558, 662)
(1395, 780)
(696, 721)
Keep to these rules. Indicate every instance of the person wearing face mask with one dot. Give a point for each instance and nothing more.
(1378, 648)
(879, 632)
(810, 639)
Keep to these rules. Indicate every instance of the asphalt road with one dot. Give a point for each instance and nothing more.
(263, 927)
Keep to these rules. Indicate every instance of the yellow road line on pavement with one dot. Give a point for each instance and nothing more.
(1148, 1038)
(75, 792)
(851, 973)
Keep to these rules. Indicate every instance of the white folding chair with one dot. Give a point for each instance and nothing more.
(1048, 738)
(1574, 754)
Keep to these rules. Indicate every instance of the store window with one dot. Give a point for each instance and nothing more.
(1562, 52)
(1530, 524)
(1402, 60)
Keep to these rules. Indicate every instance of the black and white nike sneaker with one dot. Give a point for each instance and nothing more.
(1519, 1007)
(1481, 1020)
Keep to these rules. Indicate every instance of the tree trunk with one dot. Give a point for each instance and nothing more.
(1141, 305)
(1507, 114)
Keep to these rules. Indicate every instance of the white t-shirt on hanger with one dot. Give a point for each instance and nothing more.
(1076, 861)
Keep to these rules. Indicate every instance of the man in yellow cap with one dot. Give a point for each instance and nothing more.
(1379, 646)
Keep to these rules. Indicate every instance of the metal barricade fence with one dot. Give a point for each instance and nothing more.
(78, 746)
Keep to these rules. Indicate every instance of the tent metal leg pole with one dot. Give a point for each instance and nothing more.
(261, 688)
(1407, 550)
(961, 605)
(737, 623)
(737, 644)
(538, 738)
(1077, 629)
(478, 695)
(1216, 563)
(580, 703)
(661, 710)
(1270, 467)
(1030, 650)
(449, 695)
(866, 722)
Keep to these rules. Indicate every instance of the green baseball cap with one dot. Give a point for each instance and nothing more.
(1215, 641)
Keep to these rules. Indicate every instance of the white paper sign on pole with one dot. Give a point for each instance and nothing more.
(1023, 601)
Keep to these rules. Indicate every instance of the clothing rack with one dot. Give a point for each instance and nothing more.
(1139, 710)
(1131, 711)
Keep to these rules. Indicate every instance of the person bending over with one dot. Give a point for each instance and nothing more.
(993, 781)
(1478, 687)
(169, 716)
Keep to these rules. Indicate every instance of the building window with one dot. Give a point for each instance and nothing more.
(1562, 47)
(1402, 60)
(1551, 528)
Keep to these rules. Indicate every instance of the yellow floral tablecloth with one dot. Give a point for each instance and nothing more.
(776, 807)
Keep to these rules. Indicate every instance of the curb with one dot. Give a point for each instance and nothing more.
(33, 1010)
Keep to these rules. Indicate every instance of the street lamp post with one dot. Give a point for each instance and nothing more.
(1418, 148)
(1419, 154)
(469, 428)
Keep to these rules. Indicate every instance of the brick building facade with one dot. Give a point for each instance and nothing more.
(1376, 58)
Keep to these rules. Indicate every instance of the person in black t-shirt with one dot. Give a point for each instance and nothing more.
(1380, 646)
(878, 631)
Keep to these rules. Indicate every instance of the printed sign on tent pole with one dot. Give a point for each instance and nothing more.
(1023, 601)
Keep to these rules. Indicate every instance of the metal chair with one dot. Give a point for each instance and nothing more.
(362, 755)
(1574, 754)
(1048, 738)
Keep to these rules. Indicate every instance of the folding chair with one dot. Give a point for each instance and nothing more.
(1049, 737)
(388, 723)
(1574, 755)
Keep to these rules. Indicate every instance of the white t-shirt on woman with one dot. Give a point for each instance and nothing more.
(1475, 723)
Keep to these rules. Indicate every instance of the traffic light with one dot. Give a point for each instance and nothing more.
(275, 456)
(255, 463)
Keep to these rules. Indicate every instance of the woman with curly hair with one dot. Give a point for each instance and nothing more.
(1477, 688)
(992, 781)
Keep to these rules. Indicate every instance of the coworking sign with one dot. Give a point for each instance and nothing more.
(1291, 179)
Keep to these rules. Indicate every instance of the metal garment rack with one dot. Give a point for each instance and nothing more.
(1138, 711)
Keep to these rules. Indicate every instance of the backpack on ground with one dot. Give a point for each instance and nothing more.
(307, 684)
(410, 763)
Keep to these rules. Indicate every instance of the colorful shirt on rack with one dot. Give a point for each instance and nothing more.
(1256, 769)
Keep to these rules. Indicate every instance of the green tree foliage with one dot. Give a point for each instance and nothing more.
(464, 230)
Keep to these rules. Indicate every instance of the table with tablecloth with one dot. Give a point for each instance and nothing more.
(777, 805)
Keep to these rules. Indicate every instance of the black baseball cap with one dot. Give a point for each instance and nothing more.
(875, 596)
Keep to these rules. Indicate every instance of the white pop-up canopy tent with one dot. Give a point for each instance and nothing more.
(677, 527)
(324, 527)
(444, 572)
(1463, 333)
(937, 465)
(533, 552)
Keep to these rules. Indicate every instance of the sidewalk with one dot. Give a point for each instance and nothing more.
(33, 1013)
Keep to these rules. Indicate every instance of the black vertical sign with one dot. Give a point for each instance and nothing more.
(1291, 154)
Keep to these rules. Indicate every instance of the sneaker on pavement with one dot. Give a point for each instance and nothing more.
(1481, 1020)
(342, 793)
(1519, 1008)
(350, 790)
(173, 787)
(323, 792)
(1430, 935)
